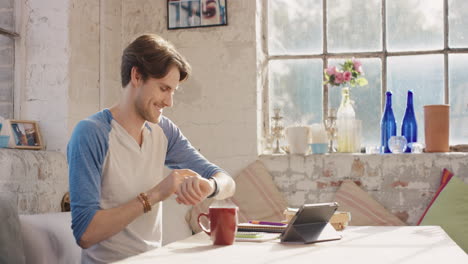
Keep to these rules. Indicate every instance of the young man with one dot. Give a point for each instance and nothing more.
(116, 160)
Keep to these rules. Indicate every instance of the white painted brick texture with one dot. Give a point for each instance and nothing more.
(403, 183)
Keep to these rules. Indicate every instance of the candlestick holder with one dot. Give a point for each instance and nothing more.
(331, 127)
(277, 131)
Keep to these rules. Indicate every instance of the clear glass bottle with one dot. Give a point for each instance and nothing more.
(409, 127)
(345, 120)
(388, 124)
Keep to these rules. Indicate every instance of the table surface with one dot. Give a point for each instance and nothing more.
(364, 244)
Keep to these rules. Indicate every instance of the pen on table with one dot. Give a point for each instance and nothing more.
(266, 223)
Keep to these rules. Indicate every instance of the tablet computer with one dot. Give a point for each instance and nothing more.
(311, 224)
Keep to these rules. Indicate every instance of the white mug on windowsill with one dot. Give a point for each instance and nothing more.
(318, 139)
(298, 139)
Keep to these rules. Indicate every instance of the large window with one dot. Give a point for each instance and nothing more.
(7, 57)
(403, 44)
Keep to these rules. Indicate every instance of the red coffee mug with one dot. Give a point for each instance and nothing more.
(223, 225)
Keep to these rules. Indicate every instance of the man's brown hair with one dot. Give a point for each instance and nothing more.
(153, 56)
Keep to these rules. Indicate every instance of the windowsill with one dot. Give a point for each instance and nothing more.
(364, 154)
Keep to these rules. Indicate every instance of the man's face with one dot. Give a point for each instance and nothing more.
(156, 94)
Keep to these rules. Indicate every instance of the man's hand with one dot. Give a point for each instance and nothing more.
(169, 185)
(194, 189)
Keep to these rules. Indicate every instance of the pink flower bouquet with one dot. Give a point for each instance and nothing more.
(350, 73)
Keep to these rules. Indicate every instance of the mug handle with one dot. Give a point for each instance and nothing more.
(201, 226)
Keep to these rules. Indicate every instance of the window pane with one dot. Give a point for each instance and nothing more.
(458, 21)
(296, 87)
(7, 53)
(6, 15)
(294, 27)
(354, 25)
(415, 25)
(367, 102)
(423, 74)
(458, 63)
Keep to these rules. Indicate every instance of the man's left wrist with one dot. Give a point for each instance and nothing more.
(215, 188)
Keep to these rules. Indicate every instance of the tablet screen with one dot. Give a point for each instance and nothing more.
(313, 213)
(310, 224)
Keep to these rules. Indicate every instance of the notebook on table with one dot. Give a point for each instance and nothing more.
(248, 227)
(311, 224)
(256, 236)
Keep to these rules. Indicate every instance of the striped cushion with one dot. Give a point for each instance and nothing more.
(256, 195)
(365, 211)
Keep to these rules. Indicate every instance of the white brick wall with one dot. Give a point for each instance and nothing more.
(36, 180)
(403, 183)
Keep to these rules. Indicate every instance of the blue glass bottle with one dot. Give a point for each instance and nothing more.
(409, 127)
(388, 124)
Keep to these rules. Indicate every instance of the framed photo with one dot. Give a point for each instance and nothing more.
(196, 13)
(23, 134)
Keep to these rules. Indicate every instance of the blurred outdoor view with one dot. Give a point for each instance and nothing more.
(296, 84)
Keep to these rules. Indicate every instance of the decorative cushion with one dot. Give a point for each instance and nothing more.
(256, 195)
(48, 238)
(449, 209)
(446, 176)
(11, 245)
(365, 210)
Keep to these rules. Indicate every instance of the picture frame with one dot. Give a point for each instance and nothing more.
(196, 13)
(24, 134)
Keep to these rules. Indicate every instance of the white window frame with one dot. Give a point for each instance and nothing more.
(17, 5)
(265, 58)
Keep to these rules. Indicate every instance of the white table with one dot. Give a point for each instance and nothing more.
(407, 244)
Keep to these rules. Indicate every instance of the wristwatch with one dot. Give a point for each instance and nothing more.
(216, 189)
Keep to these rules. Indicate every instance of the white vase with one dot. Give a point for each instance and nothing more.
(346, 124)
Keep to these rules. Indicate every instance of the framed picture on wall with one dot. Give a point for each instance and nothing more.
(24, 134)
(196, 13)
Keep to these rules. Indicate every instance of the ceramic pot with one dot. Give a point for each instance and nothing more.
(436, 127)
